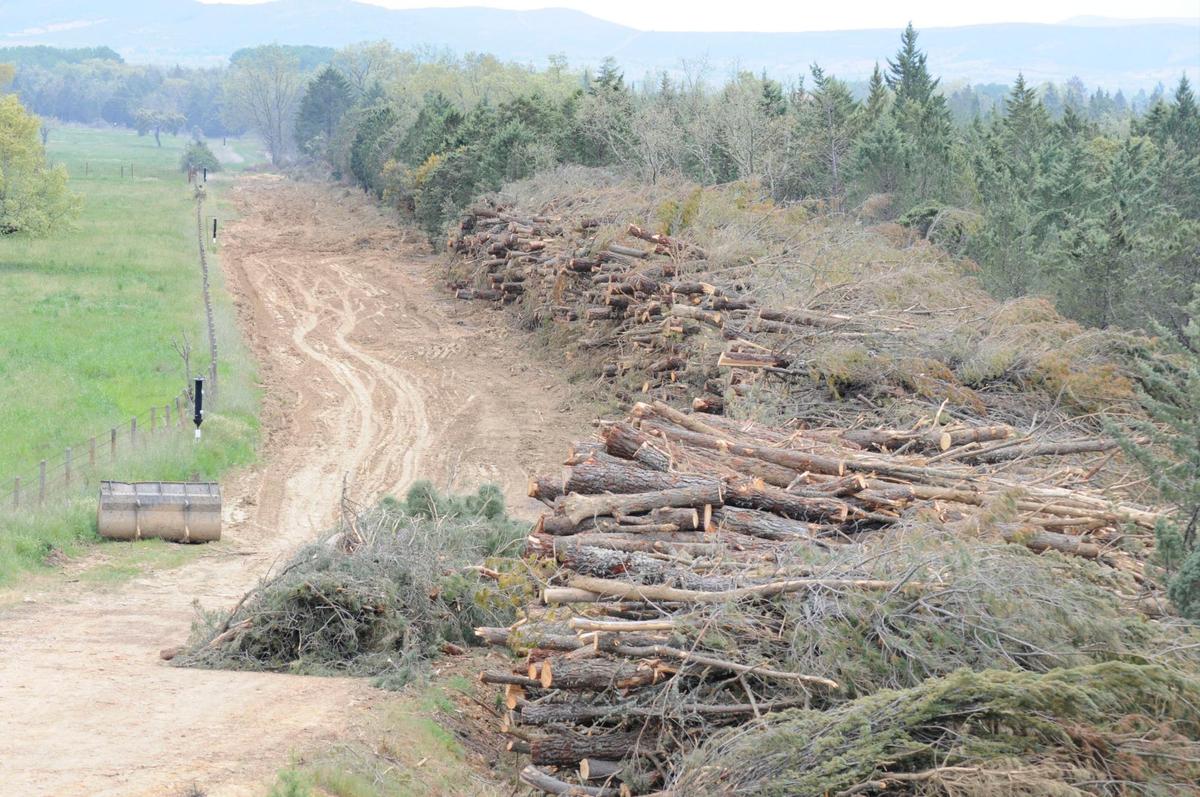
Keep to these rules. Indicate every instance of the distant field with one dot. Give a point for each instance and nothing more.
(88, 314)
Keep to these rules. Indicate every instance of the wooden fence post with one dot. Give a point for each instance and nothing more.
(67, 467)
(17, 493)
(133, 432)
(167, 417)
(112, 443)
(178, 414)
(153, 420)
(92, 453)
(42, 482)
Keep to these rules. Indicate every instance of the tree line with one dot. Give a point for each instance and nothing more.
(1054, 191)
(1081, 194)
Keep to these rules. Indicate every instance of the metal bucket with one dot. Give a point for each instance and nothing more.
(177, 511)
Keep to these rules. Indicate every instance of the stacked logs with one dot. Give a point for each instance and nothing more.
(668, 511)
(671, 334)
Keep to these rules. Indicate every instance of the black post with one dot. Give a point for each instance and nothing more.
(198, 405)
(206, 174)
(214, 229)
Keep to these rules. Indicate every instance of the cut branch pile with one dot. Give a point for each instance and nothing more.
(674, 540)
(652, 316)
(672, 334)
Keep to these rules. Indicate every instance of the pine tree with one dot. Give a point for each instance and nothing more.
(908, 76)
(1183, 122)
(877, 97)
(923, 119)
(325, 102)
(1023, 127)
(831, 121)
(1168, 450)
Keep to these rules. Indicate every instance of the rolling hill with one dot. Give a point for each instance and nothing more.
(1126, 54)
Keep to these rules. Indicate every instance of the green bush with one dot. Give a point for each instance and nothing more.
(199, 156)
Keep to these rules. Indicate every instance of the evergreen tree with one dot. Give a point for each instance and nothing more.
(369, 150)
(435, 130)
(908, 76)
(1183, 122)
(877, 97)
(829, 122)
(325, 102)
(923, 119)
(1170, 453)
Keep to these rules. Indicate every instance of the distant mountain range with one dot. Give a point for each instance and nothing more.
(1109, 53)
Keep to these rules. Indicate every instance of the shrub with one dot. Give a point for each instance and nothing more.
(199, 156)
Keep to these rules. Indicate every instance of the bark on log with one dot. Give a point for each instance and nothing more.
(759, 524)
(656, 592)
(595, 674)
(568, 748)
(544, 782)
(578, 508)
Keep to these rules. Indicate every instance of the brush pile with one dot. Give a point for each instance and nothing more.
(701, 572)
(629, 295)
(656, 316)
(395, 585)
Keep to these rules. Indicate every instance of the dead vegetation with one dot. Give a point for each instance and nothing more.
(393, 587)
(891, 550)
(699, 573)
(672, 291)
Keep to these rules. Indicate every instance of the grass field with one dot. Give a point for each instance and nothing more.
(88, 316)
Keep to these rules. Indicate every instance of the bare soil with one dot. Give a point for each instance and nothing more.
(372, 375)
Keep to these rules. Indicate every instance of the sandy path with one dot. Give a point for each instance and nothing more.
(371, 374)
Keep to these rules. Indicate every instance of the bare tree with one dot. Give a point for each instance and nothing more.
(365, 64)
(263, 93)
(183, 347)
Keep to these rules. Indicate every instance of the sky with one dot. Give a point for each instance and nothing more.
(794, 15)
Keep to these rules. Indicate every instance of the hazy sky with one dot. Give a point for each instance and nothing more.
(789, 15)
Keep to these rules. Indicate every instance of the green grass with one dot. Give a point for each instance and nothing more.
(406, 752)
(88, 315)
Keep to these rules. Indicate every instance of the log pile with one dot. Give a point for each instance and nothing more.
(636, 301)
(668, 518)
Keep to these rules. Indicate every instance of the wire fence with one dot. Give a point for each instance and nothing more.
(78, 466)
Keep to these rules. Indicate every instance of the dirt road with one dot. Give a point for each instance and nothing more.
(371, 374)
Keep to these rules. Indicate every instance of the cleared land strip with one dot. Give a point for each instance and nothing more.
(368, 375)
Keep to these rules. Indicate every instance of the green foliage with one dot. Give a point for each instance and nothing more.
(307, 57)
(326, 100)
(383, 609)
(370, 148)
(127, 262)
(1184, 587)
(291, 783)
(43, 56)
(199, 156)
(1167, 447)
(1068, 732)
(34, 197)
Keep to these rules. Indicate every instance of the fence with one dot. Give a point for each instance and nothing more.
(78, 465)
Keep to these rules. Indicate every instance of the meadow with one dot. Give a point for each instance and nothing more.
(87, 320)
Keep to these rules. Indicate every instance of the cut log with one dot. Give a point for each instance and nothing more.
(548, 784)
(568, 748)
(656, 592)
(759, 524)
(578, 508)
(595, 674)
